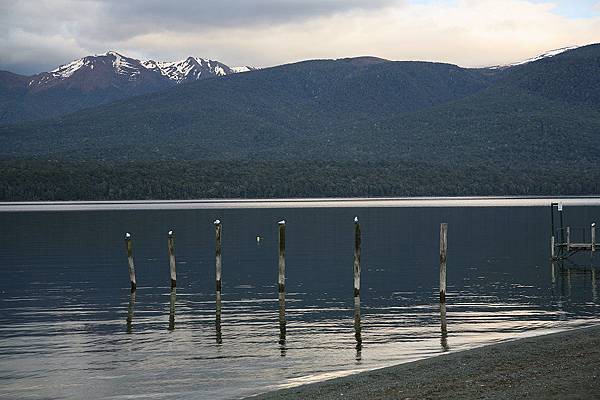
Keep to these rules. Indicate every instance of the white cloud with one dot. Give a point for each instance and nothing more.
(465, 32)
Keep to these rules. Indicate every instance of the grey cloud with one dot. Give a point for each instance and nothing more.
(39, 34)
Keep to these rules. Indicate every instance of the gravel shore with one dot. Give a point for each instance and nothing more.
(563, 365)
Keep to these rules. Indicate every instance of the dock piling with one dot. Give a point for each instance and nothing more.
(357, 244)
(171, 249)
(593, 235)
(443, 250)
(218, 254)
(130, 262)
(281, 279)
(568, 233)
(552, 248)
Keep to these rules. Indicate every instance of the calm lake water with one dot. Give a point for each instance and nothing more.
(69, 327)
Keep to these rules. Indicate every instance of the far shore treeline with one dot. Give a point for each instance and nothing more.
(52, 180)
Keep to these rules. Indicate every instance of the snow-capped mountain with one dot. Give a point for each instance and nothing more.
(547, 54)
(96, 80)
(190, 69)
(114, 68)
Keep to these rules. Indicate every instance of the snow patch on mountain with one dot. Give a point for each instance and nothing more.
(548, 54)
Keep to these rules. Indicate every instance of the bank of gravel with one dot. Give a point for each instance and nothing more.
(563, 365)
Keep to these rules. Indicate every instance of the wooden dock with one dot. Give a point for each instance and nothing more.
(570, 240)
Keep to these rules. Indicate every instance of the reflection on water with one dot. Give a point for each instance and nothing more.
(282, 323)
(172, 299)
(357, 328)
(69, 326)
(130, 310)
(219, 336)
(444, 328)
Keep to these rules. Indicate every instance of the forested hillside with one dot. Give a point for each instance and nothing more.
(329, 128)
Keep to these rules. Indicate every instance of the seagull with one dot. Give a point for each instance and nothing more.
(282, 222)
(217, 222)
(170, 233)
(355, 219)
(127, 235)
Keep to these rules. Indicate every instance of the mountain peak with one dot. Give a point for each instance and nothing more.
(111, 53)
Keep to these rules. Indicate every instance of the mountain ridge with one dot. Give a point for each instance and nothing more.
(96, 80)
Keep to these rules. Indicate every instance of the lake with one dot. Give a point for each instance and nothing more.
(70, 328)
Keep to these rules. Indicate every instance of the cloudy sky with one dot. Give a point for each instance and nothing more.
(37, 35)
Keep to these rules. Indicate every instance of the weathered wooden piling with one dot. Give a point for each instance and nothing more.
(568, 234)
(281, 279)
(552, 247)
(218, 254)
(130, 262)
(444, 323)
(562, 231)
(593, 235)
(171, 249)
(443, 250)
(357, 244)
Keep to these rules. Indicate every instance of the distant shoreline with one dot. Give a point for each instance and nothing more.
(554, 366)
(491, 201)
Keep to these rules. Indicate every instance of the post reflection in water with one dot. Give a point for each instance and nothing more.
(219, 337)
(130, 309)
(172, 309)
(444, 328)
(553, 273)
(594, 289)
(282, 324)
(357, 328)
(569, 282)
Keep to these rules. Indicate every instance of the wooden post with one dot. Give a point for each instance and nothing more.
(552, 250)
(357, 243)
(568, 238)
(130, 261)
(171, 248)
(553, 268)
(562, 230)
(443, 250)
(218, 253)
(281, 280)
(593, 237)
